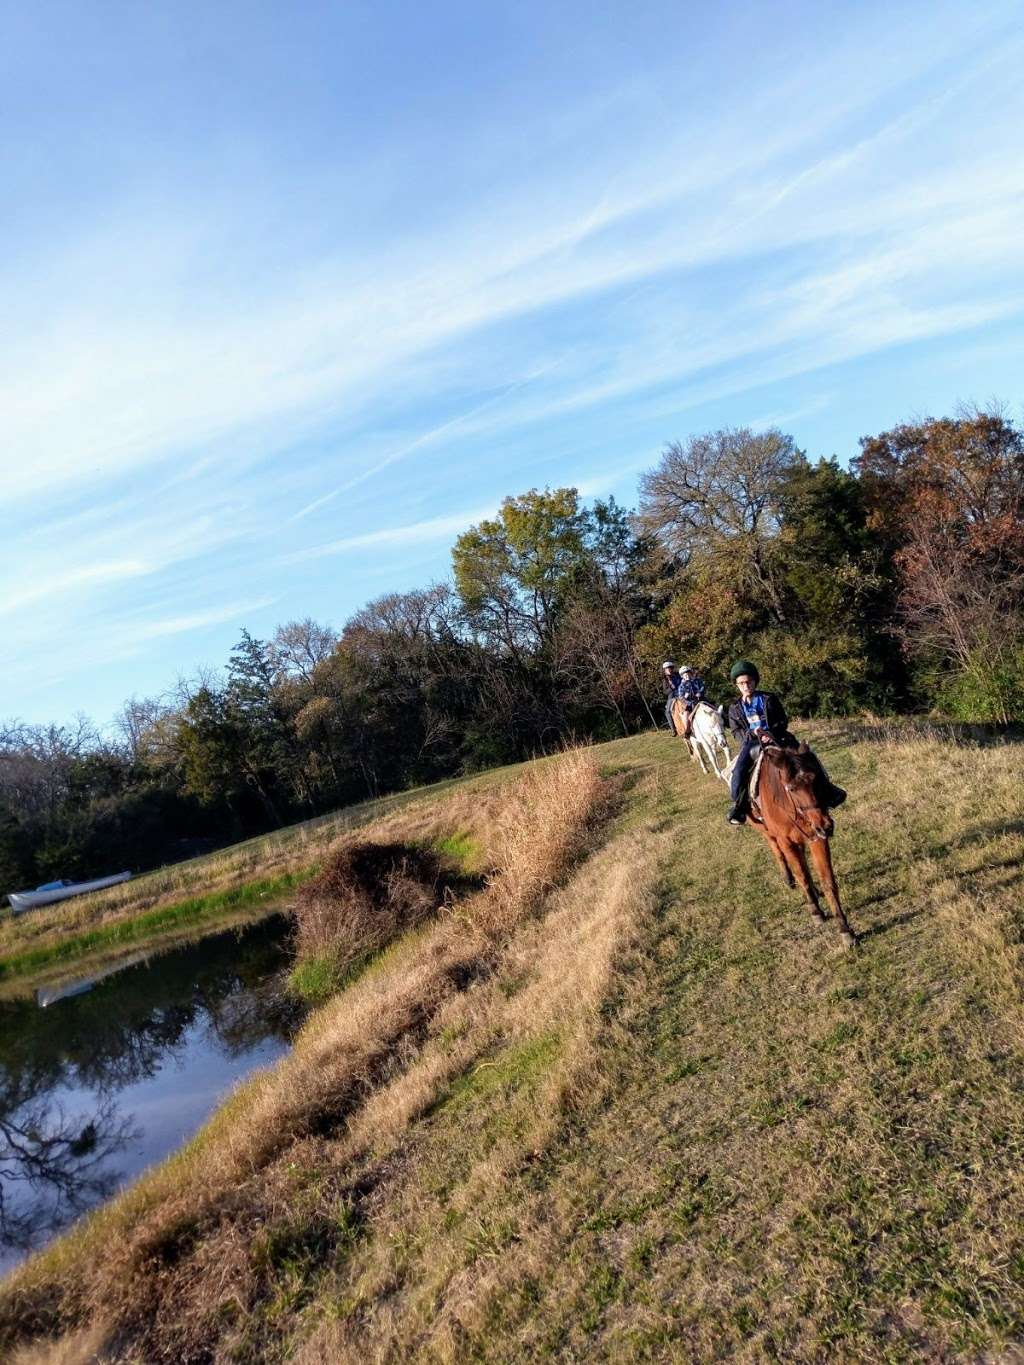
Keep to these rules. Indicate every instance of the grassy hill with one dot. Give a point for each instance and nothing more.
(179, 901)
(629, 1102)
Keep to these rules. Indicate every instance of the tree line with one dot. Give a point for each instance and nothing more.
(891, 586)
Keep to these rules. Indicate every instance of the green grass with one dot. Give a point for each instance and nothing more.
(462, 850)
(513, 1068)
(152, 924)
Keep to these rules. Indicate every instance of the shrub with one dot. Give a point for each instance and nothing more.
(365, 895)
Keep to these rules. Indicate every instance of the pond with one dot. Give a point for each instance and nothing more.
(103, 1076)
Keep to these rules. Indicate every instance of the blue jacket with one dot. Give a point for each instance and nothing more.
(775, 716)
(692, 692)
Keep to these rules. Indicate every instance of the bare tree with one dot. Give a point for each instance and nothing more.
(717, 499)
(136, 723)
(300, 646)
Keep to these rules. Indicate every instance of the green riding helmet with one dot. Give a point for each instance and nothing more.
(742, 666)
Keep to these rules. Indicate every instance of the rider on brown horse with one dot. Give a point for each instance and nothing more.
(757, 718)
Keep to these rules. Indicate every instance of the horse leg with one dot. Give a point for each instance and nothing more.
(821, 855)
(723, 760)
(699, 745)
(794, 852)
(780, 858)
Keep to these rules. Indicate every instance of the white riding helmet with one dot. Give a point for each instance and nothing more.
(688, 669)
(668, 664)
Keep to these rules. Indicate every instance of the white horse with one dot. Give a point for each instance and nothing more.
(707, 740)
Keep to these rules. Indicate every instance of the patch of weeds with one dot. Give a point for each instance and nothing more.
(450, 1035)
(776, 1109)
(641, 1255)
(461, 849)
(601, 1290)
(700, 1196)
(693, 1066)
(514, 1068)
(843, 1033)
(314, 980)
(512, 985)
(488, 1238)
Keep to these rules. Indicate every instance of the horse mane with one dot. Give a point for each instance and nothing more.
(792, 764)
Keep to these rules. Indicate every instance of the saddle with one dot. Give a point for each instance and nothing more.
(753, 781)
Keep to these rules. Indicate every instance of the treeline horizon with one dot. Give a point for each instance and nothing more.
(894, 586)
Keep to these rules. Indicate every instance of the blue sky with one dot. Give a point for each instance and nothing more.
(294, 293)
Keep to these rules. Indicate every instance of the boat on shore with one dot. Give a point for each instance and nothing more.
(50, 892)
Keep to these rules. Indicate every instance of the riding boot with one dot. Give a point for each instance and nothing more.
(738, 813)
(831, 795)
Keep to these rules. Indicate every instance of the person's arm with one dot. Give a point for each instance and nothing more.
(737, 721)
(778, 721)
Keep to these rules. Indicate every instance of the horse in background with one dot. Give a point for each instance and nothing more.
(706, 741)
(787, 811)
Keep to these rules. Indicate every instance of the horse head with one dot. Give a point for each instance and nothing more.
(799, 775)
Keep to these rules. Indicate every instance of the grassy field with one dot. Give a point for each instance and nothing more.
(630, 1103)
(237, 883)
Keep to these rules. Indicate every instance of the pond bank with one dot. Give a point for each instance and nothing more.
(93, 948)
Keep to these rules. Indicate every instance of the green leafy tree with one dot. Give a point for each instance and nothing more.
(514, 573)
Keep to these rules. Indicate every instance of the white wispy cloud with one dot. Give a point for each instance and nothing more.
(95, 394)
(196, 620)
(78, 579)
(413, 533)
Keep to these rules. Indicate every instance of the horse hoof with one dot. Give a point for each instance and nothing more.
(849, 940)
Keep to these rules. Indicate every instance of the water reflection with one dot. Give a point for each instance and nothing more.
(116, 1073)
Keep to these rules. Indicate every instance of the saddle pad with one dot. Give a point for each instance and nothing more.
(756, 773)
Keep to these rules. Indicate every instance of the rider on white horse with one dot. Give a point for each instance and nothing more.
(690, 691)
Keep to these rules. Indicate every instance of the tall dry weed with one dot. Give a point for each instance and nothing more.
(542, 826)
(366, 895)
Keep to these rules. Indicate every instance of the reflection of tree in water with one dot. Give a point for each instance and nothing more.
(245, 1017)
(123, 1032)
(133, 1023)
(51, 1167)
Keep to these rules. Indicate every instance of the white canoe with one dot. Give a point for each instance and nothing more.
(30, 900)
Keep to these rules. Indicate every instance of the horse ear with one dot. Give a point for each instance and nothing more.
(803, 748)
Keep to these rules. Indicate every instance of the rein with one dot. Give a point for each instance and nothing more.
(798, 811)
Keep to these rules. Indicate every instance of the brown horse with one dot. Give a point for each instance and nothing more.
(787, 811)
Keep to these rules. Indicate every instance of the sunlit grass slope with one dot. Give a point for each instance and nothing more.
(648, 1110)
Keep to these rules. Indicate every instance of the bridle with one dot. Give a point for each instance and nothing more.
(799, 812)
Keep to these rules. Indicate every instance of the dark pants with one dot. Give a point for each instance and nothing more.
(744, 762)
(668, 714)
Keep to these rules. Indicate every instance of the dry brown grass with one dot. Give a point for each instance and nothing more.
(158, 1266)
(366, 894)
